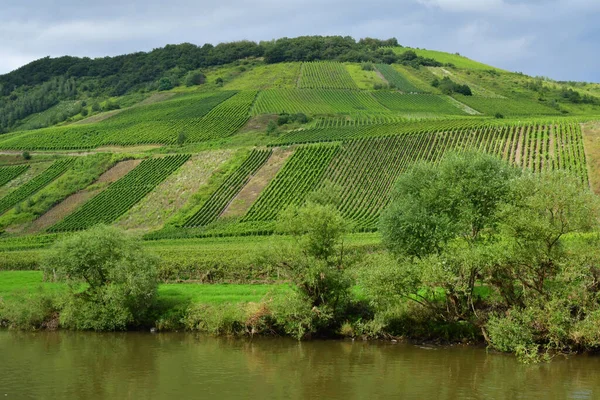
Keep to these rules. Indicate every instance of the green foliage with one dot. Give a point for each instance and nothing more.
(271, 128)
(23, 192)
(7, 174)
(314, 101)
(367, 66)
(448, 86)
(322, 287)
(291, 118)
(121, 195)
(181, 138)
(432, 205)
(325, 75)
(416, 103)
(195, 78)
(227, 191)
(299, 176)
(203, 117)
(395, 79)
(120, 279)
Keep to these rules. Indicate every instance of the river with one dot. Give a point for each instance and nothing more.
(65, 365)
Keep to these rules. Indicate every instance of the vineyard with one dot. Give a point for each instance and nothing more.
(219, 200)
(198, 117)
(395, 79)
(7, 174)
(34, 185)
(417, 103)
(325, 75)
(298, 177)
(366, 169)
(318, 101)
(120, 196)
(345, 132)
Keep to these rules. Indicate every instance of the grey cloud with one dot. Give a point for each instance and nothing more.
(555, 38)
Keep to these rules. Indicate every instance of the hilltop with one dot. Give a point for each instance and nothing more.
(215, 141)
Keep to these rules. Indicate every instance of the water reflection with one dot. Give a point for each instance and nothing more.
(67, 365)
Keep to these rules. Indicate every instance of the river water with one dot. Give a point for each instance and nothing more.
(64, 365)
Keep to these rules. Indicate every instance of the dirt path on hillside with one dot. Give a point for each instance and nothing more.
(71, 203)
(591, 147)
(248, 195)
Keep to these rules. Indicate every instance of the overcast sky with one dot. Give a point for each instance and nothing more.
(555, 38)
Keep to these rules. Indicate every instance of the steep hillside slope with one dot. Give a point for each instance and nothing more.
(230, 146)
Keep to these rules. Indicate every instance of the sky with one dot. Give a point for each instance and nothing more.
(559, 39)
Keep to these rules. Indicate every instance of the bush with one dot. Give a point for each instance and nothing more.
(26, 155)
(195, 79)
(112, 280)
(271, 127)
(498, 115)
(367, 66)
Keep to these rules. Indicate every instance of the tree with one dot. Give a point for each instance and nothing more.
(195, 78)
(316, 266)
(432, 205)
(112, 279)
(165, 84)
(272, 127)
(181, 138)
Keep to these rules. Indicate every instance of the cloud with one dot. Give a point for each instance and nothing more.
(464, 5)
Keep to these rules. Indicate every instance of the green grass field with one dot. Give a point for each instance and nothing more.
(16, 283)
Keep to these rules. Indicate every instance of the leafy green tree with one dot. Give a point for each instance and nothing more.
(181, 138)
(195, 78)
(271, 127)
(112, 279)
(432, 205)
(321, 285)
(165, 84)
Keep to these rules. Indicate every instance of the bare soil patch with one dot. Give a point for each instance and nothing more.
(174, 192)
(71, 203)
(248, 195)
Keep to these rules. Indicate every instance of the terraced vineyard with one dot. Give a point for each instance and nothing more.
(34, 185)
(325, 75)
(300, 175)
(219, 200)
(395, 79)
(417, 103)
(7, 174)
(348, 132)
(318, 101)
(119, 197)
(367, 169)
(199, 117)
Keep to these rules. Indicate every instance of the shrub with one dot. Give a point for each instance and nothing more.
(112, 280)
(26, 155)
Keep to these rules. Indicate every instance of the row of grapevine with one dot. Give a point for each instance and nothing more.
(325, 75)
(346, 132)
(7, 174)
(366, 169)
(299, 175)
(225, 119)
(178, 108)
(395, 79)
(34, 185)
(225, 193)
(120, 196)
(417, 103)
(317, 101)
(356, 120)
(199, 118)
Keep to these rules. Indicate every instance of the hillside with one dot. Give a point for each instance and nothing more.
(218, 141)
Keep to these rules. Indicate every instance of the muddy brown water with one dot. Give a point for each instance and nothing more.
(63, 365)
